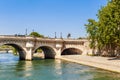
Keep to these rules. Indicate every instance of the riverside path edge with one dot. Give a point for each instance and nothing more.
(98, 62)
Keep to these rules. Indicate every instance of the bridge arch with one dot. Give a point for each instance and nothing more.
(71, 51)
(20, 50)
(49, 52)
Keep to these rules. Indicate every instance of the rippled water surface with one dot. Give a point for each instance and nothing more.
(13, 69)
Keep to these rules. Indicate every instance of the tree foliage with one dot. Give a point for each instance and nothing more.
(104, 34)
(15, 52)
(39, 50)
(36, 34)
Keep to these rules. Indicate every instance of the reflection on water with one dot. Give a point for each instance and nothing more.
(24, 68)
(58, 67)
(13, 69)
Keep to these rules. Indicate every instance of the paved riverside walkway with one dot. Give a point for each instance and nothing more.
(107, 63)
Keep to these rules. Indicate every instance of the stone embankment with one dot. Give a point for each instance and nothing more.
(106, 63)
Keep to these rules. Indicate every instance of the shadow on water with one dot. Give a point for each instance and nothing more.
(38, 58)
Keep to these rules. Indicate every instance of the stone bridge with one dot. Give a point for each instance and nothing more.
(52, 48)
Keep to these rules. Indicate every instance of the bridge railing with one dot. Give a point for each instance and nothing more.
(49, 38)
(14, 35)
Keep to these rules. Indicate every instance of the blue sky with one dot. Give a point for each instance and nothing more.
(47, 16)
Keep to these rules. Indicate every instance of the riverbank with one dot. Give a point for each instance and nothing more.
(106, 63)
(10, 51)
(3, 51)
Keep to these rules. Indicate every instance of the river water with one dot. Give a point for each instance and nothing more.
(13, 69)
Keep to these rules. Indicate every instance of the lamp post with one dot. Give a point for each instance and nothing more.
(55, 35)
(26, 32)
(61, 35)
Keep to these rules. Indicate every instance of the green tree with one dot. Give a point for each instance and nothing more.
(91, 30)
(15, 52)
(104, 34)
(36, 34)
(39, 50)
